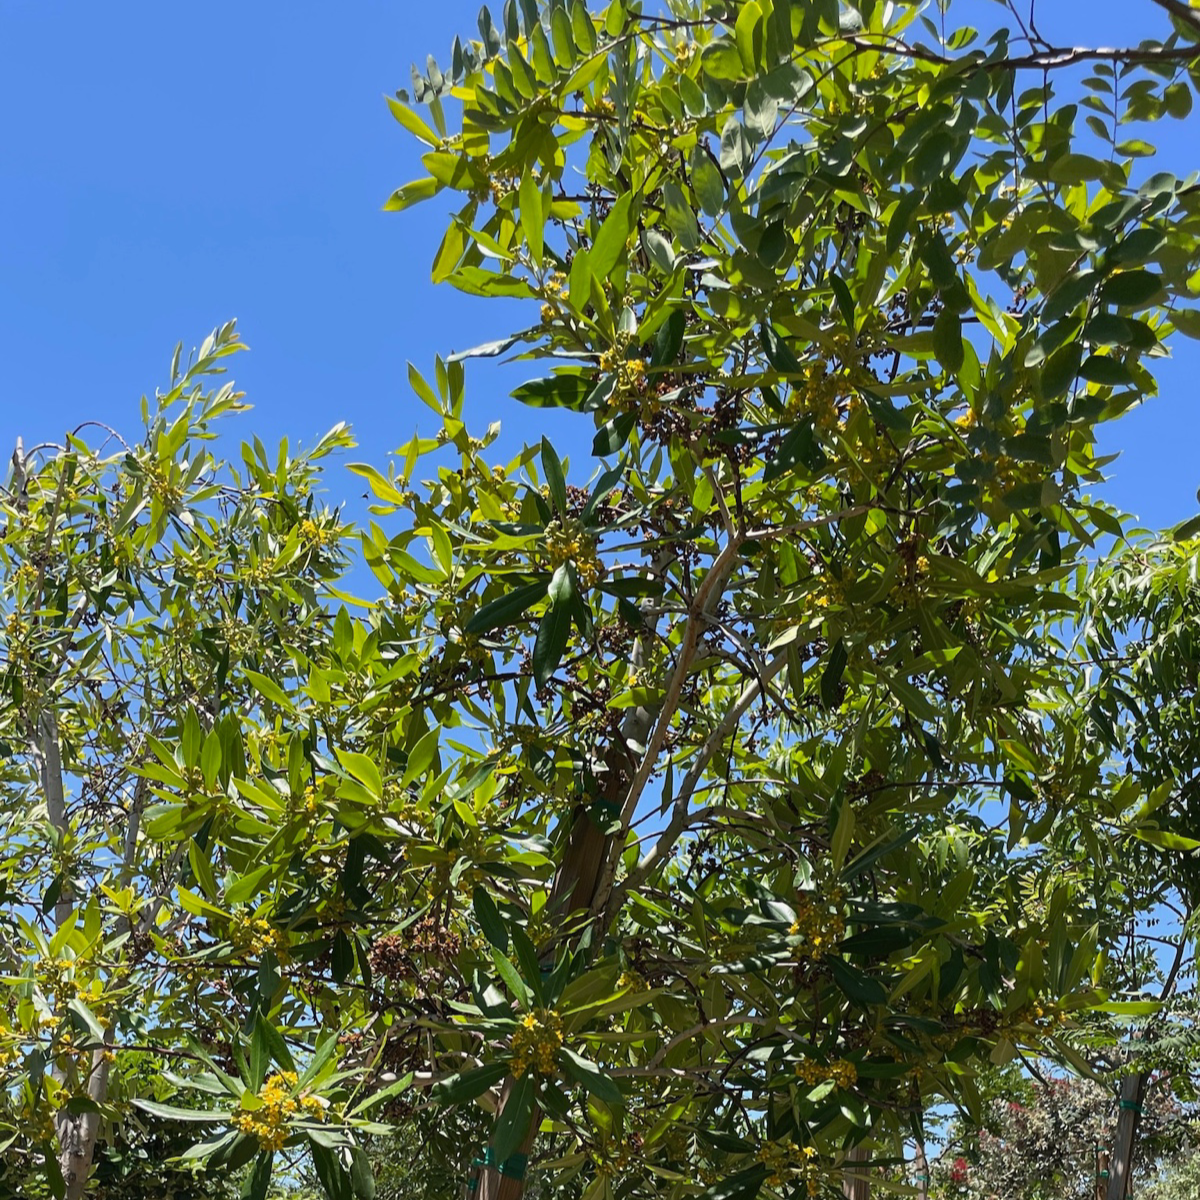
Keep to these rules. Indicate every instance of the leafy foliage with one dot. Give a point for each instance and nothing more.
(687, 823)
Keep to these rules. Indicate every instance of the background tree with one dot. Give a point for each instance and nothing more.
(1042, 1137)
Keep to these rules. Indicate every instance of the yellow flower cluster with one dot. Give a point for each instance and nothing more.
(310, 531)
(611, 359)
(554, 289)
(256, 574)
(632, 981)
(784, 1160)
(819, 394)
(631, 375)
(307, 805)
(907, 590)
(27, 574)
(161, 488)
(568, 541)
(536, 1043)
(256, 935)
(1042, 1014)
(501, 184)
(818, 924)
(843, 1072)
(829, 592)
(271, 1121)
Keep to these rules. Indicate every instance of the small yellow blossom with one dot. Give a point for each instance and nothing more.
(536, 1043)
(270, 1123)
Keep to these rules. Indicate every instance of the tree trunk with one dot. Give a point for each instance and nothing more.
(589, 863)
(921, 1172)
(855, 1184)
(587, 853)
(1101, 1175)
(1133, 1087)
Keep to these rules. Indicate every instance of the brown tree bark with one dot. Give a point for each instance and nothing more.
(1133, 1087)
(921, 1172)
(855, 1183)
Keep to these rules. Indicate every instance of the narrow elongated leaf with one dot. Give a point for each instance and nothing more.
(831, 677)
(556, 391)
(588, 1075)
(172, 1112)
(259, 1179)
(507, 608)
(466, 1085)
(609, 245)
(512, 1123)
(555, 627)
(490, 920)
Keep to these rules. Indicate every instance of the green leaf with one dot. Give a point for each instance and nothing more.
(779, 353)
(507, 608)
(609, 245)
(259, 1179)
(856, 986)
(1131, 289)
(1061, 370)
(490, 920)
(269, 689)
(532, 219)
(748, 35)
(669, 339)
(831, 677)
(85, 1021)
(680, 216)
(274, 1043)
(202, 870)
(171, 1112)
(333, 1176)
(798, 448)
(362, 1177)
(948, 340)
(844, 299)
(1165, 840)
(512, 977)
(868, 859)
(744, 1185)
(613, 435)
(411, 193)
(467, 1085)
(555, 391)
(588, 1075)
(514, 1119)
(362, 767)
(555, 479)
(1177, 99)
(708, 184)
(554, 629)
(412, 122)
(1186, 530)
(1109, 372)
(659, 250)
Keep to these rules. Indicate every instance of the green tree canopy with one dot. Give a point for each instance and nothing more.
(653, 823)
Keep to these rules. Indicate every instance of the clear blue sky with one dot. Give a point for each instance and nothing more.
(168, 166)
